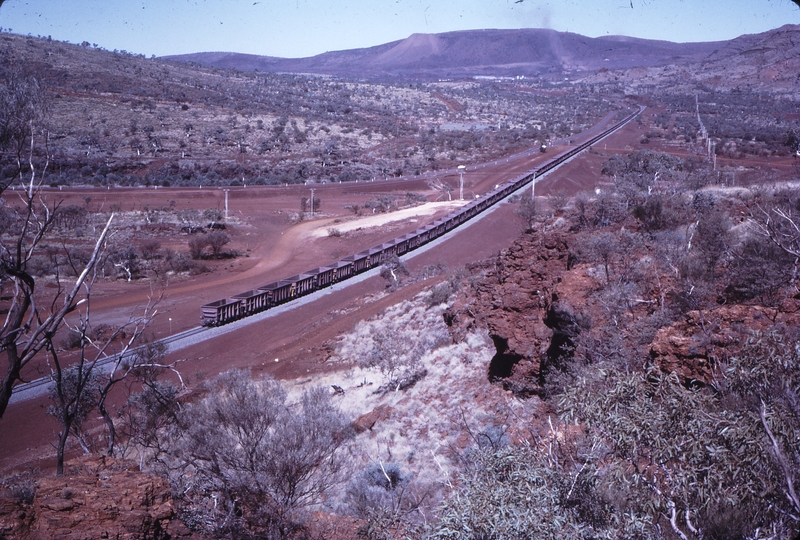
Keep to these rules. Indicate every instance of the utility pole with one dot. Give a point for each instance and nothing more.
(461, 169)
(226, 203)
(714, 154)
(312, 201)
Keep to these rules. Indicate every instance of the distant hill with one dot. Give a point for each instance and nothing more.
(477, 52)
(769, 61)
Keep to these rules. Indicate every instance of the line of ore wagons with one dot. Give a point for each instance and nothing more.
(285, 290)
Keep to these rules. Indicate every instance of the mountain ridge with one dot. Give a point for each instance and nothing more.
(528, 52)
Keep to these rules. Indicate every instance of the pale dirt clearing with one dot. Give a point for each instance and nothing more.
(376, 220)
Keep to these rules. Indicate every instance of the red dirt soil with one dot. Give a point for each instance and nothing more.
(300, 339)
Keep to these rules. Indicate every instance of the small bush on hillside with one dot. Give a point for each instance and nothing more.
(516, 492)
(396, 343)
(391, 503)
(439, 294)
(20, 486)
(251, 463)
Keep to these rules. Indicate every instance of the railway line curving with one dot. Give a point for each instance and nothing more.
(226, 314)
(289, 289)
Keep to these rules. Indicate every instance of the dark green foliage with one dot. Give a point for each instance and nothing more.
(650, 213)
(73, 340)
(212, 215)
(517, 493)
(642, 162)
(75, 393)
(603, 247)
(439, 294)
(216, 240)
(668, 447)
(196, 246)
(758, 270)
(148, 415)
(527, 210)
(71, 216)
(150, 250)
(80, 393)
(712, 237)
(608, 209)
(659, 212)
(393, 270)
(126, 262)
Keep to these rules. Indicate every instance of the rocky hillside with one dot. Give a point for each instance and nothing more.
(519, 303)
(96, 498)
(665, 326)
(117, 118)
(538, 302)
(759, 62)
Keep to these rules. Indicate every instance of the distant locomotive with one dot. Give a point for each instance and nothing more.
(283, 291)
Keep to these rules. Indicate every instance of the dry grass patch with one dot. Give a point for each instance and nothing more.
(426, 426)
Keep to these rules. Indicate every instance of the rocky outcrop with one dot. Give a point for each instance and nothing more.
(104, 498)
(367, 421)
(16, 516)
(692, 347)
(512, 296)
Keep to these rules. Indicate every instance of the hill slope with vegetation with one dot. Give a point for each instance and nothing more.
(628, 368)
(114, 118)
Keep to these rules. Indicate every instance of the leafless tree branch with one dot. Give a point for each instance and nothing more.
(787, 470)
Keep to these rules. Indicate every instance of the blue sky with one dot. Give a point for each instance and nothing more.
(296, 28)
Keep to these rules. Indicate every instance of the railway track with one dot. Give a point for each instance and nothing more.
(39, 387)
(248, 303)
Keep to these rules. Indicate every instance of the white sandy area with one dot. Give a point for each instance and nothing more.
(376, 220)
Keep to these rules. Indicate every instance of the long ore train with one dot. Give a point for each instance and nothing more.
(288, 289)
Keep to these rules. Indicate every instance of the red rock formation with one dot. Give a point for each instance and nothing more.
(16, 516)
(692, 347)
(512, 297)
(365, 422)
(529, 301)
(104, 498)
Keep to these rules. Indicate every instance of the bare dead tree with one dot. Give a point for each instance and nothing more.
(527, 210)
(97, 369)
(144, 363)
(30, 323)
(70, 386)
(29, 329)
(782, 227)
